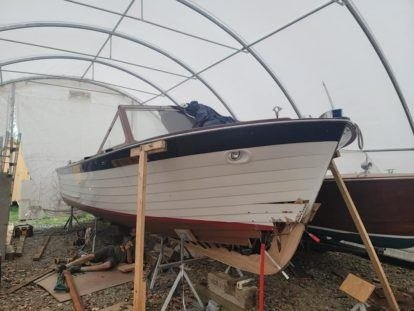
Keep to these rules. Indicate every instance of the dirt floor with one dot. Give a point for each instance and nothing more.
(313, 283)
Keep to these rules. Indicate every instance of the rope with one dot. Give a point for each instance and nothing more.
(359, 137)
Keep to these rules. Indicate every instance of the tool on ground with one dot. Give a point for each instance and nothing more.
(61, 283)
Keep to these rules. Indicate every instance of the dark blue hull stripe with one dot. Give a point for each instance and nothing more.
(251, 134)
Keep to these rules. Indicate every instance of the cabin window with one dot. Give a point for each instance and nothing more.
(116, 136)
(146, 124)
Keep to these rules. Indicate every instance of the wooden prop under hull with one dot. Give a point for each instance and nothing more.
(289, 240)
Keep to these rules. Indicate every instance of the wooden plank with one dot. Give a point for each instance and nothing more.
(126, 267)
(365, 237)
(10, 253)
(76, 299)
(225, 305)
(357, 288)
(139, 282)
(189, 236)
(19, 246)
(30, 280)
(154, 147)
(40, 251)
(9, 234)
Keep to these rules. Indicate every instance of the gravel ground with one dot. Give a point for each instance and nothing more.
(313, 285)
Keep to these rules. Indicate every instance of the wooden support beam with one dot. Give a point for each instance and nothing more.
(139, 282)
(19, 246)
(30, 280)
(76, 299)
(365, 237)
(42, 248)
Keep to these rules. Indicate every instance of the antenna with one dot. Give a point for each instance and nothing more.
(328, 95)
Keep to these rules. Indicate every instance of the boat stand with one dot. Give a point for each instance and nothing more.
(182, 275)
(157, 265)
(95, 225)
(69, 223)
(360, 306)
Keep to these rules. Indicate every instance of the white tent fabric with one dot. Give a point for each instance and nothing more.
(241, 57)
(81, 115)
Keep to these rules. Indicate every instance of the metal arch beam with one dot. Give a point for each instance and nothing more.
(64, 77)
(91, 55)
(87, 59)
(248, 48)
(368, 33)
(123, 36)
(102, 82)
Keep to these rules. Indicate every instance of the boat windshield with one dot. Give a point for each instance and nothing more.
(138, 123)
(145, 124)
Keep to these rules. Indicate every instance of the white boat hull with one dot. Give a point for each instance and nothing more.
(208, 187)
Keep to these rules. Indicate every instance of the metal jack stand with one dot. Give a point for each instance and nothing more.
(69, 223)
(239, 272)
(180, 277)
(94, 233)
(360, 306)
(157, 266)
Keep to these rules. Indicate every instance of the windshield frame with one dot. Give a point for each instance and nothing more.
(126, 127)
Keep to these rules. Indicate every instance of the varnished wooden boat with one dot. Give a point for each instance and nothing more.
(384, 201)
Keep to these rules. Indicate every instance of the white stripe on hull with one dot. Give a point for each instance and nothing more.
(207, 187)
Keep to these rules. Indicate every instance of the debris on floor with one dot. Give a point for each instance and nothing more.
(313, 285)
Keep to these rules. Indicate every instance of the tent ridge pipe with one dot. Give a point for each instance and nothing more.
(87, 59)
(64, 77)
(123, 36)
(97, 81)
(153, 24)
(364, 26)
(250, 45)
(249, 49)
(109, 37)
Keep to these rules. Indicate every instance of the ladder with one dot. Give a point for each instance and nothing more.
(10, 156)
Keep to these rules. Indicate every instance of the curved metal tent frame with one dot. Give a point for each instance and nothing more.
(70, 78)
(80, 58)
(358, 18)
(232, 32)
(375, 45)
(123, 36)
(246, 47)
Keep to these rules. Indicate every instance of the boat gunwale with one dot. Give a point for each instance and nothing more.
(215, 128)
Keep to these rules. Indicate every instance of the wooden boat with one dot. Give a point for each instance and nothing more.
(228, 186)
(384, 201)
